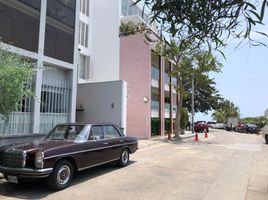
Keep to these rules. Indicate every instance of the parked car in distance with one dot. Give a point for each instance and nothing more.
(239, 127)
(219, 126)
(66, 149)
(250, 128)
(211, 124)
(201, 126)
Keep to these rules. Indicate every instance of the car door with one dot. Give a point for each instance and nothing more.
(95, 153)
(114, 142)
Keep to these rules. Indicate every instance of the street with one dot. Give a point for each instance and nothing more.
(225, 166)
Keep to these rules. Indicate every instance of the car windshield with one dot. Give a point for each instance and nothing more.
(77, 133)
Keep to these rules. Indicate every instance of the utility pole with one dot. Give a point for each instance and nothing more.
(193, 104)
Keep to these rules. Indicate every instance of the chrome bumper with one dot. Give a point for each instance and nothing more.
(26, 172)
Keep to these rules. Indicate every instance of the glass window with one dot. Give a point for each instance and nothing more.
(60, 24)
(84, 67)
(68, 132)
(20, 24)
(111, 132)
(96, 133)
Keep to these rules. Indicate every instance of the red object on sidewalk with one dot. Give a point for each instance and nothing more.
(196, 137)
(206, 134)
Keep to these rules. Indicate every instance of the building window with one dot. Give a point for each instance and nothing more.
(19, 22)
(83, 34)
(84, 7)
(60, 25)
(128, 9)
(84, 68)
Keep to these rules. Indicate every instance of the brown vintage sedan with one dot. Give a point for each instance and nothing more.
(66, 149)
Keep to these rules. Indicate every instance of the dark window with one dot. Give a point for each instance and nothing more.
(33, 3)
(59, 40)
(96, 133)
(19, 23)
(111, 132)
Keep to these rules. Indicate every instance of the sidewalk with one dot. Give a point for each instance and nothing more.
(144, 143)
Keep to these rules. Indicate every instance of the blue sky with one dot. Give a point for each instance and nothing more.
(244, 77)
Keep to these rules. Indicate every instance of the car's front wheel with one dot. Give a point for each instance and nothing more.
(124, 158)
(61, 176)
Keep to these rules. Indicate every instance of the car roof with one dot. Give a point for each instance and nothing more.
(81, 123)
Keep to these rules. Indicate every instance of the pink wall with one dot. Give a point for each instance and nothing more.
(135, 68)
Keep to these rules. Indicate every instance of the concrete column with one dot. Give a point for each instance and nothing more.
(39, 74)
(76, 59)
(162, 95)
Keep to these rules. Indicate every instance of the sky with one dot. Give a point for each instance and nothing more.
(244, 77)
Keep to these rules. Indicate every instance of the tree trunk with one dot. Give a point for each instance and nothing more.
(178, 115)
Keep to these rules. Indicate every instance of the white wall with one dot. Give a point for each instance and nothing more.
(104, 37)
(102, 102)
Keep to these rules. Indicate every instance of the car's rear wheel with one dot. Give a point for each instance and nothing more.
(124, 158)
(266, 139)
(61, 176)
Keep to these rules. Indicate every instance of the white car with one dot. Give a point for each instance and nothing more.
(219, 126)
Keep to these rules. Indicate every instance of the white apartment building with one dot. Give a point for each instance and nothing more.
(99, 41)
(45, 31)
(76, 41)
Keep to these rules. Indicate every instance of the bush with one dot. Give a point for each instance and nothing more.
(15, 72)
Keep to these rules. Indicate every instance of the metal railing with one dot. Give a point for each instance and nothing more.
(20, 121)
(54, 108)
(55, 104)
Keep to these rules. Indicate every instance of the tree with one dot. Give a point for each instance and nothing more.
(206, 95)
(15, 73)
(259, 121)
(186, 64)
(131, 28)
(209, 23)
(226, 109)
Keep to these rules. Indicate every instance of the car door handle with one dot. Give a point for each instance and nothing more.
(105, 143)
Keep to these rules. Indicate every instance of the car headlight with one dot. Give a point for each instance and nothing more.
(39, 160)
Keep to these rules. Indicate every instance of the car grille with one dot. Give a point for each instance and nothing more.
(14, 158)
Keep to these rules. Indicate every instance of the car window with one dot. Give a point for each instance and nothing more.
(111, 132)
(67, 132)
(96, 133)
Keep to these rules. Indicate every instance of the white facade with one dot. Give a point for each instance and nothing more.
(101, 49)
(99, 41)
(50, 86)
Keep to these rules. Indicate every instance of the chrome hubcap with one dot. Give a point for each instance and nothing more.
(63, 175)
(125, 157)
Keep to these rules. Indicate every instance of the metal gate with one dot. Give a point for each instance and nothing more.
(55, 104)
(19, 121)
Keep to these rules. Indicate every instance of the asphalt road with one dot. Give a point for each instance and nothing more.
(226, 166)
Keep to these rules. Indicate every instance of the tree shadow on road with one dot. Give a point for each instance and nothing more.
(38, 189)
